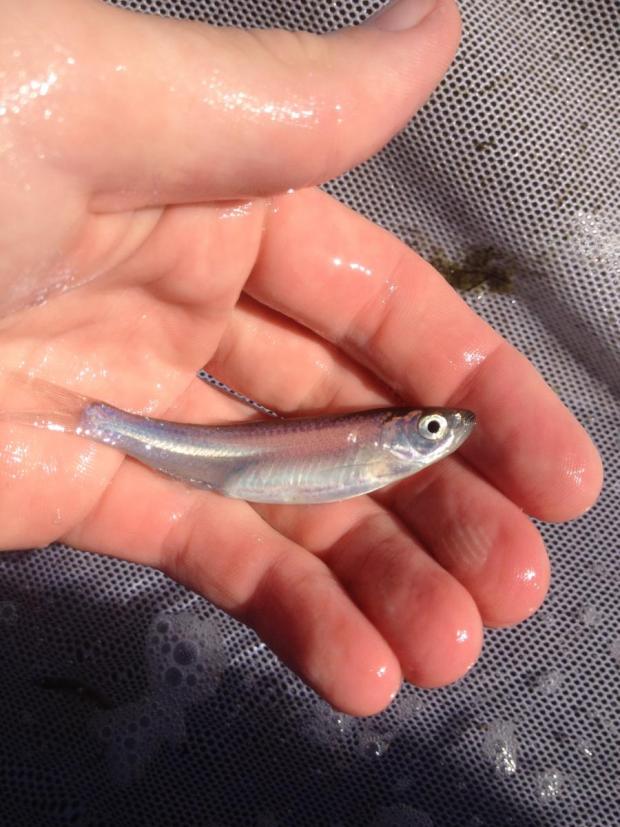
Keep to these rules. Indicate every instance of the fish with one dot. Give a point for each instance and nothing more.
(292, 460)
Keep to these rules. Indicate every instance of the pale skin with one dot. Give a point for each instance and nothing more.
(151, 172)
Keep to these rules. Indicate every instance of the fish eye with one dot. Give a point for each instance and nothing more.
(433, 426)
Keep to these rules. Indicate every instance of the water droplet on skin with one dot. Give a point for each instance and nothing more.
(356, 266)
(360, 268)
(85, 461)
(473, 357)
(15, 460)
(236, 211)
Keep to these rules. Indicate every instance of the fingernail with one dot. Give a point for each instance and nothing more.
(401, 14)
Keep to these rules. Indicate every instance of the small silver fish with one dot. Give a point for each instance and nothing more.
(299, 460)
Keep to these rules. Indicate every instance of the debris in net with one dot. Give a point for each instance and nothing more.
(477, 268)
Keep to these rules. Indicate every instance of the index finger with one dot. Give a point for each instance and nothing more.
(362, 289)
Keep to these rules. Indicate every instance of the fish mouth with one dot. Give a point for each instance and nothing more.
(466, 423)
(469, 419)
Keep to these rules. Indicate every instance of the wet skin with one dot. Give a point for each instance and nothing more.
(143, 174)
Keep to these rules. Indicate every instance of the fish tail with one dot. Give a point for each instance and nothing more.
(30, 400)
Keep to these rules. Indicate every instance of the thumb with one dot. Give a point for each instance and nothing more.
(168, 111)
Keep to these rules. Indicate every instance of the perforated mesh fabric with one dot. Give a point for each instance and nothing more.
(129, 700)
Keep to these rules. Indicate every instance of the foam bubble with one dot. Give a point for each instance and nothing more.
(549, 784)
(500, 745)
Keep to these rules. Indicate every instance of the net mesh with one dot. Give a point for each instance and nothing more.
(129, 700)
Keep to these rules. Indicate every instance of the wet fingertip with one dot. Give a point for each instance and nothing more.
(366, 689)
(586, 475)
(515, 579)
(524, 605)
(456, 650)
(582, 478)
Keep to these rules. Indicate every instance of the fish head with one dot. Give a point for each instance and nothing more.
(421, 437)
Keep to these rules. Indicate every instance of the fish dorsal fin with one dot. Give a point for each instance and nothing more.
(240, 397)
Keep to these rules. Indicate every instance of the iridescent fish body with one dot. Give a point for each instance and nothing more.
(303, 460)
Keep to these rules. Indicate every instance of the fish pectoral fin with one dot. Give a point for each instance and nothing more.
(195, 482)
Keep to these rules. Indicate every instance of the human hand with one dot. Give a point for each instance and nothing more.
(142, 173)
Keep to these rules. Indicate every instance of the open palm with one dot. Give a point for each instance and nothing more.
(146, 184)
